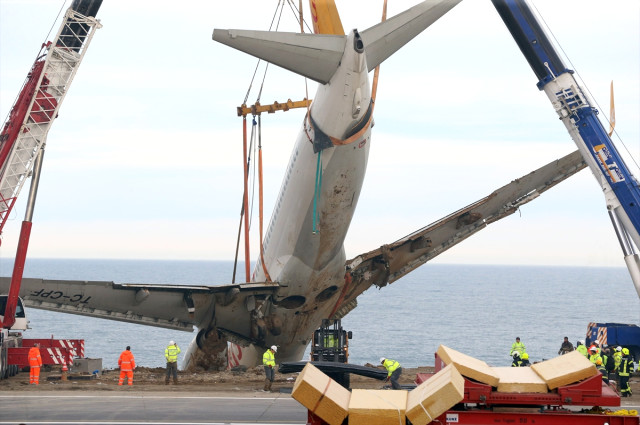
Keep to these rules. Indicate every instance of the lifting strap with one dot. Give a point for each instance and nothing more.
(316, 193)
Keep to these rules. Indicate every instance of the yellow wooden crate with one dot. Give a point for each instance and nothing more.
(435, 396)
(321, 395)
(469, 366)
(519, 380)
(564, 370)
(377, 407)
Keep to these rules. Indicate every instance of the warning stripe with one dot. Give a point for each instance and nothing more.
(56, 355)
(602, 336)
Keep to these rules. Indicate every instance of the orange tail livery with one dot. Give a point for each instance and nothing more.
(326, 19)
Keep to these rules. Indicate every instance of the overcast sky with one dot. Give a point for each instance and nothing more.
(145, 159)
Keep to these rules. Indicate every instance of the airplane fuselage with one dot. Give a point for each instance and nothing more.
(305, 256)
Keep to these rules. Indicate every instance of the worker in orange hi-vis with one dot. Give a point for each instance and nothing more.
(35, 362)
(126, 363)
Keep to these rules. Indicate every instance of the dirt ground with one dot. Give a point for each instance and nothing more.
(152, 379)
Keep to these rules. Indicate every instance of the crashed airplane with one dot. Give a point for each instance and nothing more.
(304, 275)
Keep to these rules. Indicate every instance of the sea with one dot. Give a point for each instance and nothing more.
(478, 310)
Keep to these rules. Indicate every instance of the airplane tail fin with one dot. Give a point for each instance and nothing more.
(384, 39)
(317, 56)
(326, 19)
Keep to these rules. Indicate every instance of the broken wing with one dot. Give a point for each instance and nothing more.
(168, 306)
(390, 262)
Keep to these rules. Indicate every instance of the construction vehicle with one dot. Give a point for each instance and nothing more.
(11, 337)
(22, 144)
(330, 343)
(577, 113)
(330, 353)
(615, 334)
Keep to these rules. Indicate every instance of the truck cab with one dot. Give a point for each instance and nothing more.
(21, 323)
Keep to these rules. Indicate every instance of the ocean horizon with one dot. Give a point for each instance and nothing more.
(476, 309)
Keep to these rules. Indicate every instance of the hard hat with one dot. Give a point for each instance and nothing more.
(599, 362)
(625, 351)
(172, 342)
(274, 348)
(382, 359)
(525, 356)
(618, 348)
(516, 354)
(581, 342)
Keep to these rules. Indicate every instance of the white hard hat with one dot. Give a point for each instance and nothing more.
(618, 348)
(516, 354)
(172, 342)
(382, 359)
(581, 342)
(274, 348)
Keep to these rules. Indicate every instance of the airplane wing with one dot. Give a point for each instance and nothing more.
(390, 262)
(175, 307)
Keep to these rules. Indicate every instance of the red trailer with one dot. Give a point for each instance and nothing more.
(52, 351)
(576, 404)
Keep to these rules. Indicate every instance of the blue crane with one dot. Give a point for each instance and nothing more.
(575, 110)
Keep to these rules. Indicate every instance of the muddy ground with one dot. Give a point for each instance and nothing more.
(153, 379)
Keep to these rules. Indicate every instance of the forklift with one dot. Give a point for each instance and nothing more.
(330, 343)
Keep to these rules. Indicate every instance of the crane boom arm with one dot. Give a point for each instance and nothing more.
(25, 131)
(575, 110)
(27, 125)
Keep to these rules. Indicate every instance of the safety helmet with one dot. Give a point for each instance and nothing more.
(525, 356)
(274, 348)
(625, 351)
(593, 349)
(516, 354)
(581, 342)
(172, 342)
(618, 348)
(382, 359)
(599, 362)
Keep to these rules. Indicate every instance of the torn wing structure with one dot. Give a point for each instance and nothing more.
(390, 262)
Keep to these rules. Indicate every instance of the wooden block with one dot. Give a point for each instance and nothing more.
(519, 380)
(321, 395)
(377, 407)
(435, 396)
(469, 366)
(564, 370)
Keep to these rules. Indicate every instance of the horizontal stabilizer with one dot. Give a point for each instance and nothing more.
(385, 38)
(314, 56)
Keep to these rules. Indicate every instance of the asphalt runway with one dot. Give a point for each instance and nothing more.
(136, 408)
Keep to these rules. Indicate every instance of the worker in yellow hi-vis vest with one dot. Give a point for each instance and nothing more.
(517, 346)
(393, 371)
(269, 363)
(171, 354)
